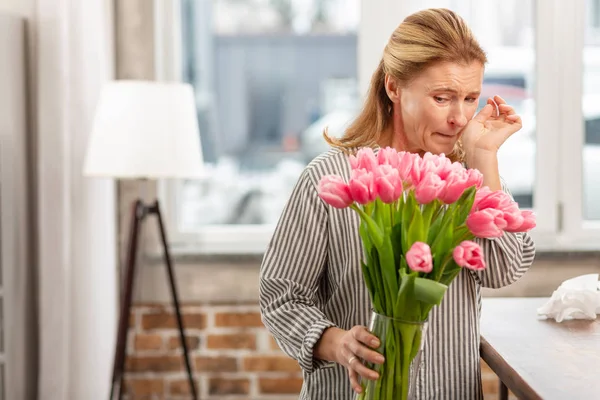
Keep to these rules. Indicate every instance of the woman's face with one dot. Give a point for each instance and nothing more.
(432, 109)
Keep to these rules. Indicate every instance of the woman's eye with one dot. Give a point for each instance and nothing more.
(471, 99)
(439, 99)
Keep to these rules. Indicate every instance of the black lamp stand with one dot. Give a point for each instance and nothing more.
(139, 213)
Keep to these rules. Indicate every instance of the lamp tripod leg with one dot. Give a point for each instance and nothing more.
(137, 215)
(171, 275)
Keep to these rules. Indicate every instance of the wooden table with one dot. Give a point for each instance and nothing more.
(537, 358)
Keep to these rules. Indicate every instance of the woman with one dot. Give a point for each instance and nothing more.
(423, 97)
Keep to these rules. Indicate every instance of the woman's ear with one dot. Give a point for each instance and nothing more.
(392, 88)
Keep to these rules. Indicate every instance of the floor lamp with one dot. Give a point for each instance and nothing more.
(144, 130)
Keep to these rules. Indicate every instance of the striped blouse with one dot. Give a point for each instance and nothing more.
(311, 279)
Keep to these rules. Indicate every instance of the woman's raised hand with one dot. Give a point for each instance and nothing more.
(490, 128)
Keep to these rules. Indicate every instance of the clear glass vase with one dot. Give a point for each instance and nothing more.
(401, 345)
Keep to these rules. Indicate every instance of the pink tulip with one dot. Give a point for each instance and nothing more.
(527, 224)
(487, 223)
(469, 254)
(475, 178)
(447, 169)
(365, 159)
(334, 191)
(421, 168)
(499, 200)
(406, 162)
(481, 194)
(440, 164)
(514, 218)
(429, 188)
(388, 183)
(362, 186)
(454, 186)
(388, 156)
(419, 257)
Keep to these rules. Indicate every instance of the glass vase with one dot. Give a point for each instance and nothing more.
(401, 343)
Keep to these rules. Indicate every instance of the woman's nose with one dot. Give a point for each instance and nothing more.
(458, 118)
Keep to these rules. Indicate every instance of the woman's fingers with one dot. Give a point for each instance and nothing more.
(515, 119)
(366, 354)
(485, 113)
(357, 369)
(358, 347)
(365, 342)
(361, 369)
(495, 110)
(506, 109)
(353, 376)
(499, 100)
(361, 334)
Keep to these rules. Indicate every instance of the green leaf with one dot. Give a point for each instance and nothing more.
(375, 232)
(369, 281)
(396, 237)
(416, 230)
(429, 211)
(407, 215)
(388, 266)
(444, 239)
(450, 272)
(466, 203)
(364, 235)
(434, 229)
(398, 210)
(375, 270)
(461, 233)
(429, 291)
(382, 214)
(406, 305)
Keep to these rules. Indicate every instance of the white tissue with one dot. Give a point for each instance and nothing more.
(576, 298)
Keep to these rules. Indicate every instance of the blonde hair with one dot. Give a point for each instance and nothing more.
(421, 40)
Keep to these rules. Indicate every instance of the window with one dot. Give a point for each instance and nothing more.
(269, 75)
(591, 116)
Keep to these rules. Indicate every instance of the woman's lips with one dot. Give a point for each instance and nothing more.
(445, 135)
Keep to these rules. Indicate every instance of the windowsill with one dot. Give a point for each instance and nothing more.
(188, 254)
(212, 278)
(568, 256)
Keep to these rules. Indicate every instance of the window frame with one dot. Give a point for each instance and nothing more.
(558, 194)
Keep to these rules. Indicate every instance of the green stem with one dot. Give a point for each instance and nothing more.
(408, 334)
(375, 230)
(463, 233)
(444, 264)
(453, 275)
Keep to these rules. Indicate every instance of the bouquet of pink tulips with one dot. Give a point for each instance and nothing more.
(418, 218)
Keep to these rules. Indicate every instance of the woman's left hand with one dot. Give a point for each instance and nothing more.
(490, 128)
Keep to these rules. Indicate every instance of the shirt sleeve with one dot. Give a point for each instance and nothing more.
(290, 274)
(508, 257)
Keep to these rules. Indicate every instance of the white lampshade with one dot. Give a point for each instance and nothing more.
(145, 130)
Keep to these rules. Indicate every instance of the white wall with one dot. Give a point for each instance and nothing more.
(77, 215)
(71, 55)
(23, 8)
(18, 283)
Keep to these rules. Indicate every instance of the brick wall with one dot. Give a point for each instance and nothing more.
(233, 356)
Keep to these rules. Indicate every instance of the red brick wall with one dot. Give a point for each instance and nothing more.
(232, 354)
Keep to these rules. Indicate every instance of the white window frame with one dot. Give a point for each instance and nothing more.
(558, 194)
